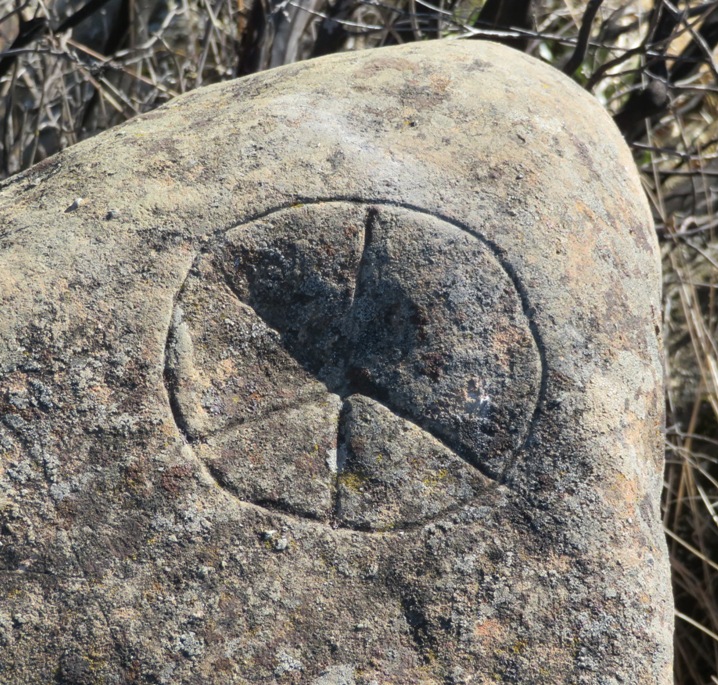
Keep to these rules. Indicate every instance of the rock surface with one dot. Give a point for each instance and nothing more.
(344, 373)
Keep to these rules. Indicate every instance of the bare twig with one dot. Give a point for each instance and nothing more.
(584, 34)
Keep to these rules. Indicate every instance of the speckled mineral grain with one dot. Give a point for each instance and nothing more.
(344, 373)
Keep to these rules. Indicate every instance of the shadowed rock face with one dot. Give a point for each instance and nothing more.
(342, 373)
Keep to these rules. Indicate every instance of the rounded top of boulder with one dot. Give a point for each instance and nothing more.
(346, 371)
(397, 123)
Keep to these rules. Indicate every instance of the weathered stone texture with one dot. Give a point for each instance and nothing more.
(343, 373)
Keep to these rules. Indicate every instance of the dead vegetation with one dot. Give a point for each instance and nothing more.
(69, 69)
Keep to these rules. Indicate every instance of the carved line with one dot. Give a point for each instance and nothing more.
(254, 418)
(277, 509)
(367, 239)
(170, 381)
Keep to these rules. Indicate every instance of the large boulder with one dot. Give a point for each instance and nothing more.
(346, 372)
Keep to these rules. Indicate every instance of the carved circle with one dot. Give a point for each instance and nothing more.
(364, 365)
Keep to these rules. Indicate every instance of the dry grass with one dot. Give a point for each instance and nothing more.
(60, 86)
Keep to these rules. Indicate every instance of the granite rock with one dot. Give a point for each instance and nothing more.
(346, 372)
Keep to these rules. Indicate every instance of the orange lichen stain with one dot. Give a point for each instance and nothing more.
(101, 394)
(560, 563)
(490, 628)
(504, 343)
(623, 495)
(625, 492)
(584, 209)
(126, 614)
(168, 429)
(580, 247)
(225, 370)
(439, 82)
